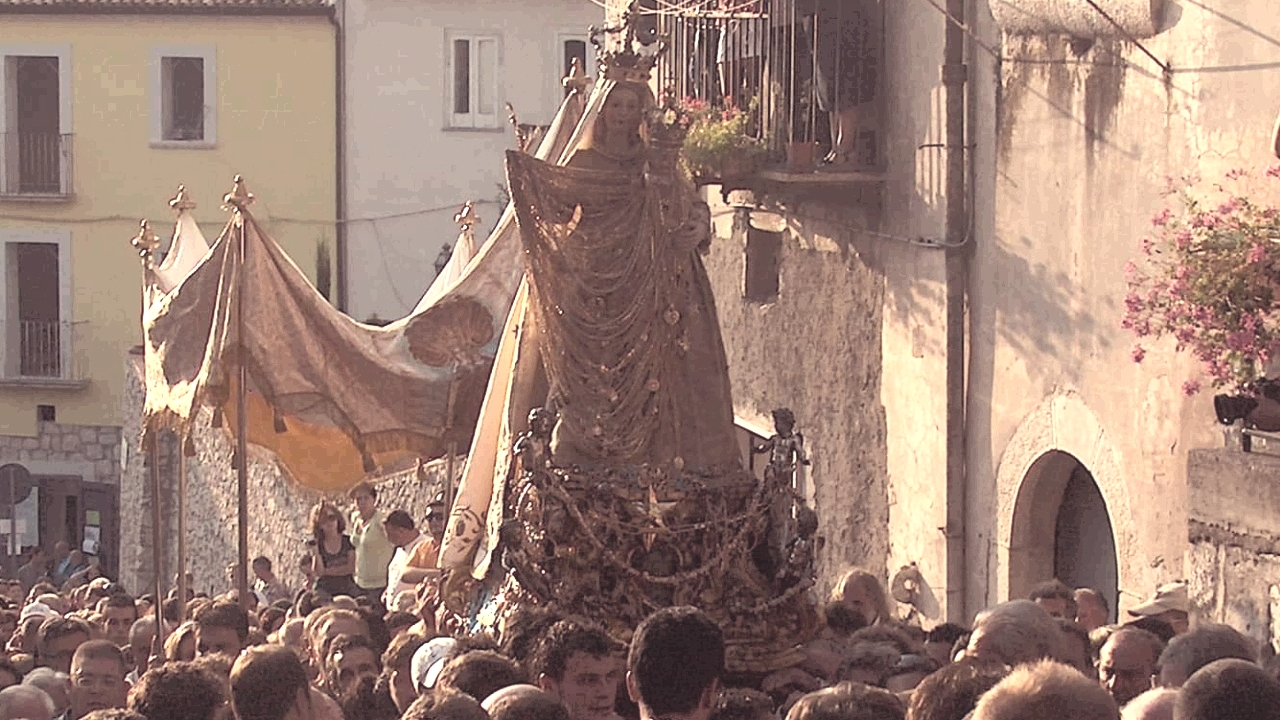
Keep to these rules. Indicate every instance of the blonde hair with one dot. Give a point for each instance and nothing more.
(848, 701)
(869, 585)
(594, 137)
(173, 643)
(1046, 690)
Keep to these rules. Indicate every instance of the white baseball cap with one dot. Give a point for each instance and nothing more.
(429, 660)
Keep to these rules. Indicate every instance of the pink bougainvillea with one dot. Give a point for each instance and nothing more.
(1210, 277)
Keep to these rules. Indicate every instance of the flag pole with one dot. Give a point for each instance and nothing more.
(145, 243)
(240, 198)
(181, 204)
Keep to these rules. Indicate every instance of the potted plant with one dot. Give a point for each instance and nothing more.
(1209, 276)
(719, 148)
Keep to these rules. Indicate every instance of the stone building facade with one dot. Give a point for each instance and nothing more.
(278, 509)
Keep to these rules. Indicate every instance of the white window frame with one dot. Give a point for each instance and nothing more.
(208, 54)
(9, 339)
(8, 113)
(477, 119)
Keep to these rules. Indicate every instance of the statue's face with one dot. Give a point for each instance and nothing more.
(621, 111)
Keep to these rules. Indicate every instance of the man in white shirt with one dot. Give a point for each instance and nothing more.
(414, 559)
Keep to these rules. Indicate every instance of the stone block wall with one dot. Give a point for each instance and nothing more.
(95, 446)
(1233, 559)
(278, 508)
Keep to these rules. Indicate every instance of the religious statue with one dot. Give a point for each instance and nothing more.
(785, 448)
(533, 446)
(625, 321)
(800, 550)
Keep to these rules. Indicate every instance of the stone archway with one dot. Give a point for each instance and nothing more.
(1037, 465)
(1061, 529)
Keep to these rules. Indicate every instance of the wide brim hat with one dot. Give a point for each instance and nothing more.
(1169, 597)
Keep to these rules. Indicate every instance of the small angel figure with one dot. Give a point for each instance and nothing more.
(785, 448)
(800, 550)
(534, 446)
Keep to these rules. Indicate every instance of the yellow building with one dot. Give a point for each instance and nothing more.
(105, 107)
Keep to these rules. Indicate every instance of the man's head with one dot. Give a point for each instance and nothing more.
(1154, 704)
(1228, 690)
(57, 641)
(445, 706)
(437, 518)
(578, 667)
(270, 683)
(178, 691)
(1127, 663)
(221, 627)
(675, 663)
(400, 528)
(24, 702)
(54, 684)
(61, 549)
(1092, 609)
(1046, 690)
(1189, 652)
(953, 692)
(1013, 633)
(397, 666)
(351, 659)
(479, 673)
(365, 497)
(523, 702)
(97, 677)
(262, 568)
(119, 612)
(1169, 603)
(142, 635)
(1056, 599)
(848, 701)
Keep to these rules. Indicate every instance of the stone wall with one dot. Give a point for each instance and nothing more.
(95, 447)
(278, 508)
(1233, 561)
(815, 348)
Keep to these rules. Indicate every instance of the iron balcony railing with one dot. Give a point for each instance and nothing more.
(791, 64)
(35, 164)
(41, 350)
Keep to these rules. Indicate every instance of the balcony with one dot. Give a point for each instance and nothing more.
(41, 354)
(804, 77)
(35, 166)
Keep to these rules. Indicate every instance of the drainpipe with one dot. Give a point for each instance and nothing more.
(954, 79)
(340, 172)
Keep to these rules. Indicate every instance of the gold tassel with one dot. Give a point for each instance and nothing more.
(278, 419)
(217, 417)
(189, 447)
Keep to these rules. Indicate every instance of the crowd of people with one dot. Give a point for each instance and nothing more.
(362, 642)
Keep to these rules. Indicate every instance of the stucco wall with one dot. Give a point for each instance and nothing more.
(1073, 144)
(275, 120)
(278, 509)
(407, 173)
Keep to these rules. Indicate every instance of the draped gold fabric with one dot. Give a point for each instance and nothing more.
(628, 334)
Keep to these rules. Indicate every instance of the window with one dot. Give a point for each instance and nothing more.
(573, 46)
(36, 341)
(35, 109)
(763, 256)
(806, 70)
(183, 97)
(473, 81)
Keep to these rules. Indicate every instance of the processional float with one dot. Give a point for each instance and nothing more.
(604, 480)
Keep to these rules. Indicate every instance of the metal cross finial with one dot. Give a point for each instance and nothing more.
(576, 80)
(145, 243)
(467, 218)
(181, 202)
(239, 197)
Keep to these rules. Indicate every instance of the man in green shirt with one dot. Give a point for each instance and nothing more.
(373, 550)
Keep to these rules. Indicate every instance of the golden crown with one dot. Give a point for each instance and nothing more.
(624, 63)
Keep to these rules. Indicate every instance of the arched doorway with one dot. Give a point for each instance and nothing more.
(1061, 528)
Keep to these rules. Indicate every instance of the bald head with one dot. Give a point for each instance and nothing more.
(1091, 609)
(1154, 704)
(1014, 633)
(25, 702)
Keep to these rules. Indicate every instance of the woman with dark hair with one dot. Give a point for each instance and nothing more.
(334, 562)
